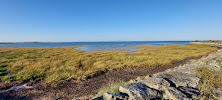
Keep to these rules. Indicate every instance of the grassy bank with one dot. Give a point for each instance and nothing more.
(61, 64)
(209, 81)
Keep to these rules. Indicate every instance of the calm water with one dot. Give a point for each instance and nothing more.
(92, 46)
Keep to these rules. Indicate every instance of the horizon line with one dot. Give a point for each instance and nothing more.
(97, 41)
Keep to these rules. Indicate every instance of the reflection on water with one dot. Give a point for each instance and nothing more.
(92, 46)
(104, 48)
(125, 46)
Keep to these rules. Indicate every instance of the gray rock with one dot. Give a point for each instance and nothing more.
(173, 94)
(181, 93)
(156, 83)
(97, 98)
(190, 92)
(180, 79)
(110, 96)
(175, 84)
(139, 91)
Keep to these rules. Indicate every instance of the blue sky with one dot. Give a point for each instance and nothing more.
(109, 20)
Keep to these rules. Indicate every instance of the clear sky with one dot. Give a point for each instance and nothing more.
(109, 20)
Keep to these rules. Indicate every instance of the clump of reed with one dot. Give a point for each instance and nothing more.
(62, 64)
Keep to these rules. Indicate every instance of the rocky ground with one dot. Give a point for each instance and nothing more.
(179, 83)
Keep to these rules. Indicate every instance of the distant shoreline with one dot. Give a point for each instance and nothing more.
(84, 42)
(20, 42)
(113, 41)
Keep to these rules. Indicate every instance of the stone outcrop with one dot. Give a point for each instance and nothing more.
(179, 83)
(181, 93)
(180, 79)
(139, 91)
(216, 44)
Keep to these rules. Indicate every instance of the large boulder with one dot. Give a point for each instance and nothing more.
(180, 79)
(169, 88)
(181, 93)
(139, 91)
(156, 83)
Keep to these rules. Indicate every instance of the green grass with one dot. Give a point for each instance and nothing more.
(62, 64)
(3, 69)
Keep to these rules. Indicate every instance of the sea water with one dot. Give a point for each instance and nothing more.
(92, 46)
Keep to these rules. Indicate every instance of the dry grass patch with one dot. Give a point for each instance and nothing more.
(209, 80)
(62, 64)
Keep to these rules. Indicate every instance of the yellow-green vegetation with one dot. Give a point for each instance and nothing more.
(208, 41)
(209, 81)
(111, 87)
(212, 41)
(61, 64)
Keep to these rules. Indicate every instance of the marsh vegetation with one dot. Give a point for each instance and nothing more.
(210, 80)
(58, 65)
(214, 41)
